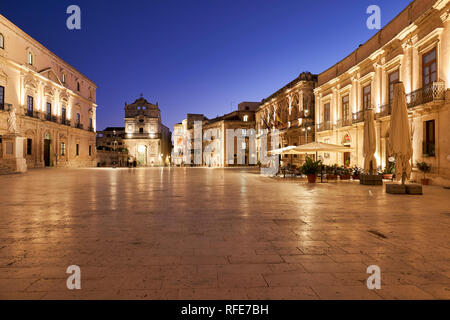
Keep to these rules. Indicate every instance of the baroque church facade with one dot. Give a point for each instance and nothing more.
(147, 140)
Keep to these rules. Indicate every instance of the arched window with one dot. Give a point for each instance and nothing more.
(30, 58)
(2, 41)
(78, 86)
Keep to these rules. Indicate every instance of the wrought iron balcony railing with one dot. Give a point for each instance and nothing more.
(344, 123)
(145, 136)
(32, 113)
(79, 125)
(432, 92)
(324, 126)
(358, 116)
(5, 106)
(385, 110)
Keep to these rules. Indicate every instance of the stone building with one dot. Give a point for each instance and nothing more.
(223, 150)
(413, 48)
(192, 145)
(205, 141)
(178, 145)
(110, 148)
(290, 110)
(47, 107)
(147, 140)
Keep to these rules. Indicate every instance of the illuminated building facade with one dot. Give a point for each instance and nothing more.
(290, 110)
(45, 104)
(147, 140)
(413, 48)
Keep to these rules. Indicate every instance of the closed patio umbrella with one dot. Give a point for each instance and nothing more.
(400, 145)
(370, 142)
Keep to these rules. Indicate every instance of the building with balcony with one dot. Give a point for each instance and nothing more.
(291, 111)
(227, 140)
(55, 105)
(204, 142)
(110, 147)
(147, 140)
(178, 144)
(413, 48)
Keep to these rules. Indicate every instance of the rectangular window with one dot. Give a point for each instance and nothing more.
(367, 97)
(393, 79)
(429, 68)
(429, 138)
(78, 119)
(30, 58)
(49, 109)
(2, 97)
(29, 146)
(30, 106)
(63, 115)
(90, 124)
(326, 112)
(90, 150)
(77, 150)
(345, 108)
(63, 149)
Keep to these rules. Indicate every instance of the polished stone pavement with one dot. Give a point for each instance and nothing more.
(197, 233)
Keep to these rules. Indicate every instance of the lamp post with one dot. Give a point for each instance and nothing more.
(305, 130)
(114, 147)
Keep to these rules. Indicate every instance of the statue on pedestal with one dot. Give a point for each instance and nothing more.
(12, 124)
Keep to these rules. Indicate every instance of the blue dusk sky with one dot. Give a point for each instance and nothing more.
(196, 56)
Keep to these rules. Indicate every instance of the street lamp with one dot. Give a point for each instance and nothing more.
(305, 130)
(114, 146)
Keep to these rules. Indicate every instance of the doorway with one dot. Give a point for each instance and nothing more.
(347, 159)
(142, 155)
(47, 143)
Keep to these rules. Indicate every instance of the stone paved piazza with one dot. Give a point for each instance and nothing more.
(217, 234)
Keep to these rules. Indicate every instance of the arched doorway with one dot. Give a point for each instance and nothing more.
(47, 148)
(142, 155)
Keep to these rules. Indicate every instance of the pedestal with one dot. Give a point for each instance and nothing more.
(395, 188)
(12, 156)
(413, 189)
(371, 180)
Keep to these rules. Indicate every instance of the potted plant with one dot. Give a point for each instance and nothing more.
(424, 167)
(345, 173)
(332, 172)
(356, 172)
(310, 169)
(388, 173)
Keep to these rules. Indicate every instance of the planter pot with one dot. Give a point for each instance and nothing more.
(345, 177)
(356, 177)
(331, 177)
(311, 178)
(387, 176)
(425, 182)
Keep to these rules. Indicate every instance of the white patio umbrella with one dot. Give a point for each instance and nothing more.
(370, 142)
(313, 147)
(400, 145)
(285, 150)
